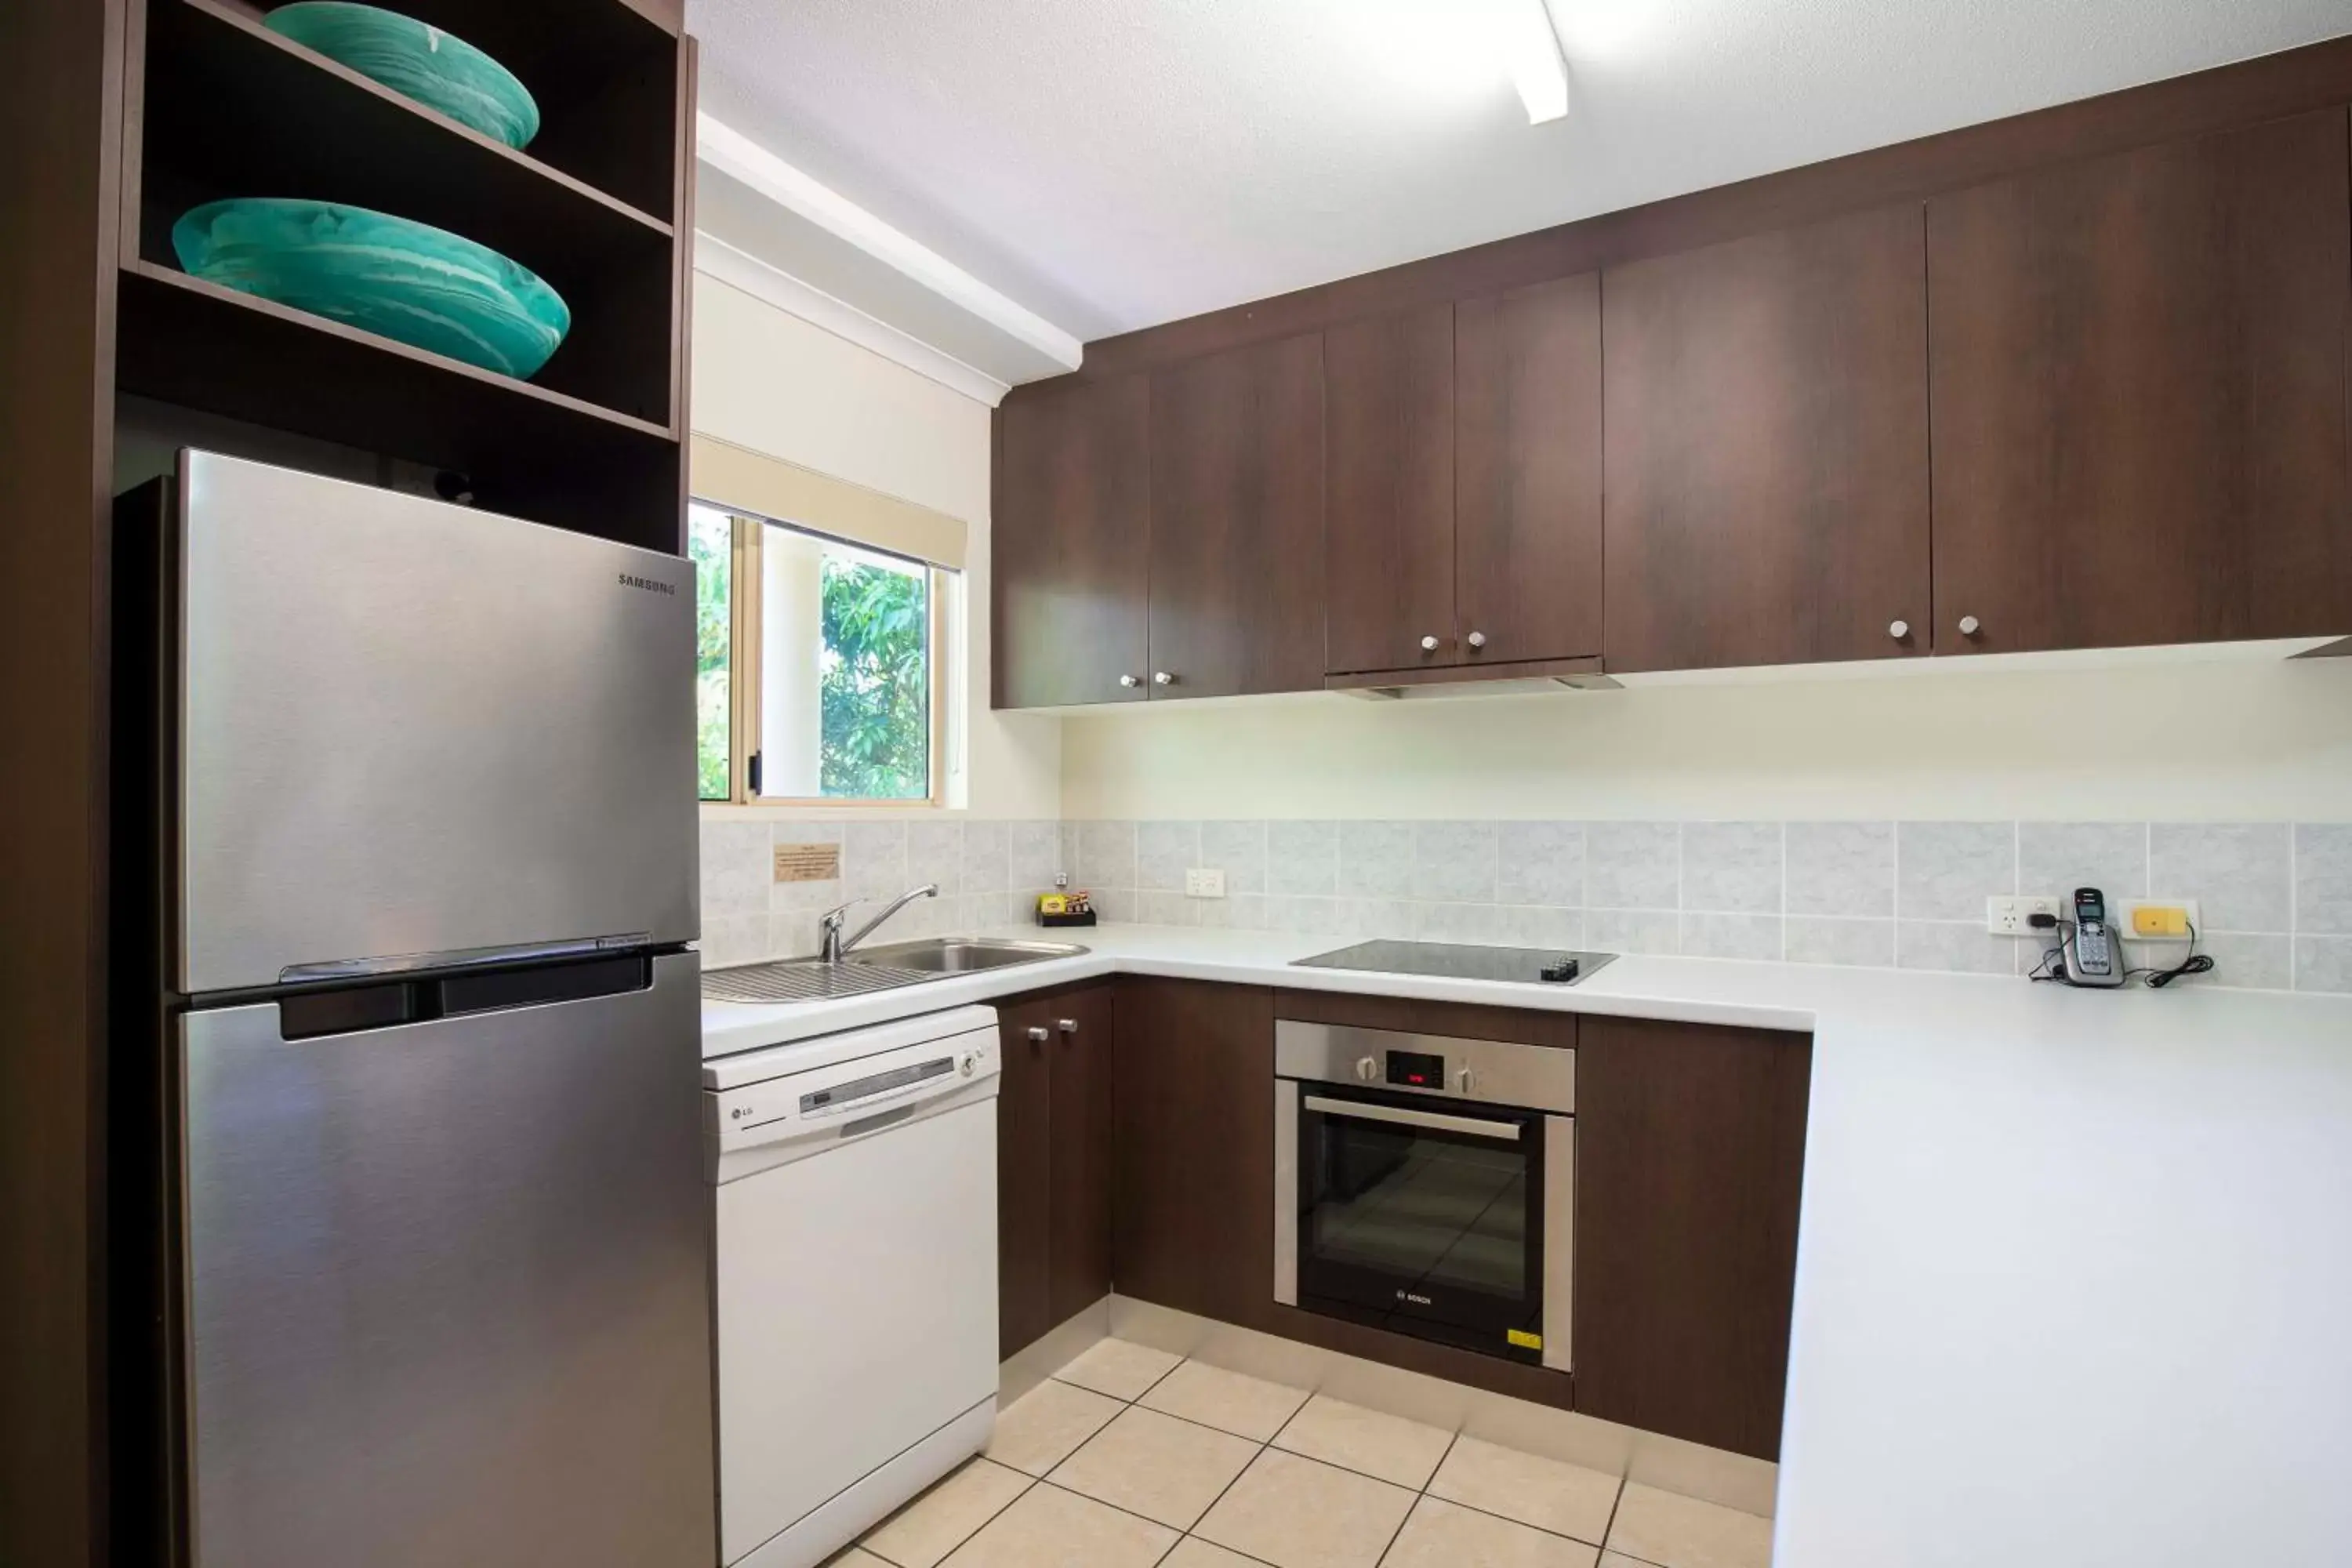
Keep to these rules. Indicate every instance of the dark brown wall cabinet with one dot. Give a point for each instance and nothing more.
(1464, 482)
(2139, 370)
(1527, 488)
(1389, 540)
(1768, 449)
(1237, 521)
(1193, 1194)
(1072, 547)
(1689, 1164)
(1053, 1160)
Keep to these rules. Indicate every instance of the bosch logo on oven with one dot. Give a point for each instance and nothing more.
(1416, 1301)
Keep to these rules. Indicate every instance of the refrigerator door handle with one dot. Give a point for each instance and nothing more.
(468, 958)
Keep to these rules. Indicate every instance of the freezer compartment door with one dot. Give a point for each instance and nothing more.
(411, 729)
(448, 1288)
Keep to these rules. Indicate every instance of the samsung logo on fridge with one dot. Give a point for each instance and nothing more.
(648, 584)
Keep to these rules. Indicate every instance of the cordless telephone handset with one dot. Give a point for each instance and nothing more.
(2094, 956)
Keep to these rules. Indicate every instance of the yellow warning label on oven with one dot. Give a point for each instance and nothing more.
(1524, 1340)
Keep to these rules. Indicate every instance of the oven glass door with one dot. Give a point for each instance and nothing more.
(1422, 1217)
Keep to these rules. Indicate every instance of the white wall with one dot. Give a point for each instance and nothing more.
(2267, 741)
(767, 380)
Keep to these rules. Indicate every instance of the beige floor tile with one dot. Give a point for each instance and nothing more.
(1045, 1426)
(1194, 1553)
(1567, 1499)
(922, 1533)
(1117, 1368)
(1676, 1531)
(1050, 1528)
(1157, 1466)
(1300, 1513)
(1445, 1535)
(1387, 1448)
(1247, 1406)
(856, 1557)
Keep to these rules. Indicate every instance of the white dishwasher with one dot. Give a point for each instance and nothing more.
(857, 1256)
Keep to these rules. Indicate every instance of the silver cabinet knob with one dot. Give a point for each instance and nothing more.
(1466, 1079)
(1368, 1069)
(1476, 639)
(1971, 626)
(1162, 677)
(1898, 630)
(1429, 645)
(1039, 1033)
(1067, 1026)
(1129, 681)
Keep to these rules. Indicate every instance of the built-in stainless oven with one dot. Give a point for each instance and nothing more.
(1426, 1184)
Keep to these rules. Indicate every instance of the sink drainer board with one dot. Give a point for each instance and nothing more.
(804, 982)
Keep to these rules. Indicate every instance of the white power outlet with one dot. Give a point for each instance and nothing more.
(1204, 884)
(2009, 916)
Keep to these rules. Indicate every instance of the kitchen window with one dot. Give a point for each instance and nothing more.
(821, 667)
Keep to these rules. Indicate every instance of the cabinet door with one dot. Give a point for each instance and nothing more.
(1079, 1267)
(1192, 1211)
(1768, 449)
(1527, 484)
(1072, 545)
(2139, 396)
(1389, 542)
(1237, 521)
(1690, 1145)
(1024, 1177)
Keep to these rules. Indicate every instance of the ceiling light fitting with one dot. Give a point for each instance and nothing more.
(1531, 53)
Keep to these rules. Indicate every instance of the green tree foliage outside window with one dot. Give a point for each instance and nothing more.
(876, 694)
(710, 545)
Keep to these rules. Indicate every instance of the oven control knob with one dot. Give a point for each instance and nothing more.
(1465, 1080)
(1368, 1069)
(969, 1065)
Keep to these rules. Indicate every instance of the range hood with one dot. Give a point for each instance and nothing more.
(1476, 680)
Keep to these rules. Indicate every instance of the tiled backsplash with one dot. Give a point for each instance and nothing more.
(2276, 898)
(988, 873)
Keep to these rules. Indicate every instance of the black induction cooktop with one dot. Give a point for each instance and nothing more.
(1454, 961)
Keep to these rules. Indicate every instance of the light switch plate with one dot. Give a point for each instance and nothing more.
(2008, 916)
(1204, 884)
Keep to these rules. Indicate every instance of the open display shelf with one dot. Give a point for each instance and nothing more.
(218, 106)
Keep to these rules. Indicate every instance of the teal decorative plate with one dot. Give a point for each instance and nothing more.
(417, 61)
(408, 282)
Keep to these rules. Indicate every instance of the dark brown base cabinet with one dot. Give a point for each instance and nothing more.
(1690, 1149)
(1191, 1204)
(1053, 1160)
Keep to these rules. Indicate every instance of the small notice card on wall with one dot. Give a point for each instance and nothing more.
(808, 862)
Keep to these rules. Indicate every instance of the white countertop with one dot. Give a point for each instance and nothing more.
(2074, 1269)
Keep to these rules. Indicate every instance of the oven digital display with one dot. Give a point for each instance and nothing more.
(1417, 1069)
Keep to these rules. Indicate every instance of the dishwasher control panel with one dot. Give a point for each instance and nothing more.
(795, 1113)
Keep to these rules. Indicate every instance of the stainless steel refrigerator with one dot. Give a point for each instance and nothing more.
(429, 840)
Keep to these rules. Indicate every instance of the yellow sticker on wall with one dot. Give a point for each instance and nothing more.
(1524, 1340)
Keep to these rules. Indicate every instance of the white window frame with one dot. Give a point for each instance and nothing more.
(746, 662)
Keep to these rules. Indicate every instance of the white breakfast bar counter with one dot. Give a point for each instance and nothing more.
(2074, 1269)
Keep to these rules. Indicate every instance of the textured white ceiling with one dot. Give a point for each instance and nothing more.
(1115, 163)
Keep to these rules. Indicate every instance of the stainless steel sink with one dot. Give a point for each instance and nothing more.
(871, 969)
(960, 954)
